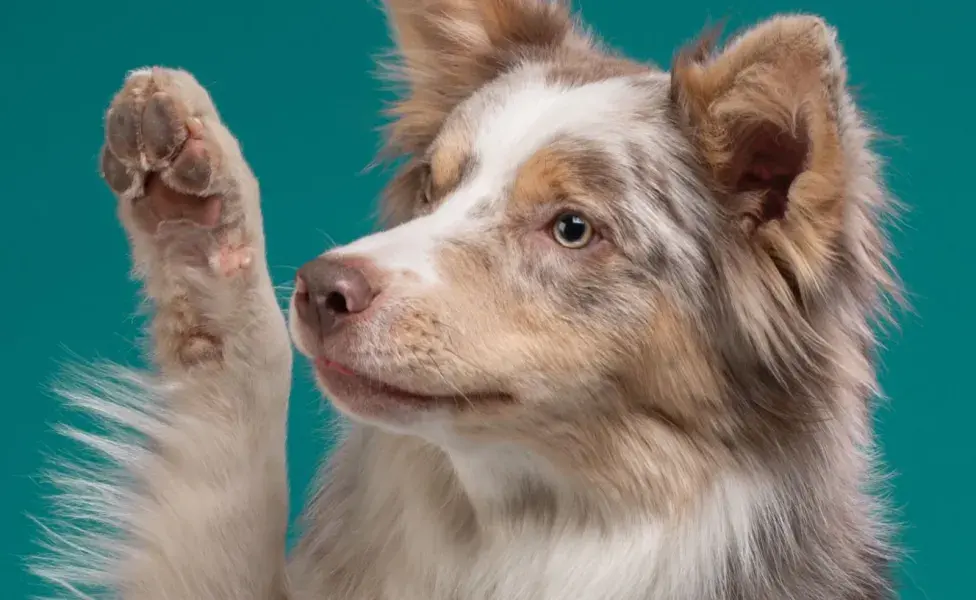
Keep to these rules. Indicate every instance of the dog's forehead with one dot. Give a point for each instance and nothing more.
(508, 123)
(495, 133)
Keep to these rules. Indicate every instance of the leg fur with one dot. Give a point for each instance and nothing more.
(200, 508)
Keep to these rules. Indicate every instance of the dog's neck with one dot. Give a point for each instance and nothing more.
(504, 512)
(475, 512)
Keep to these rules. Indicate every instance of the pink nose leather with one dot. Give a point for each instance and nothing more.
(327, 291)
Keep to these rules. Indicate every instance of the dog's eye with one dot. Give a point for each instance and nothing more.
(572, 231)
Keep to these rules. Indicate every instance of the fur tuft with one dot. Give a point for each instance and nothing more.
(84, 537)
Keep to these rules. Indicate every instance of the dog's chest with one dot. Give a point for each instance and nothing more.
(583, 567)
(635, 565)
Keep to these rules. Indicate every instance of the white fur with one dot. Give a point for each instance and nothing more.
(521, 117)
(686, 559)
(683, 557)
(673, 560)
(96, 500)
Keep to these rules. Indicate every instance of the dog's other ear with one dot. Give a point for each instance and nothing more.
(764, 116)
(446, 49)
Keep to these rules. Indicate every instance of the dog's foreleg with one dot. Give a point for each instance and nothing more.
(203, 511)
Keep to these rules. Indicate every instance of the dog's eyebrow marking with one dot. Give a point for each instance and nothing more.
(450, 160)
(571, 168)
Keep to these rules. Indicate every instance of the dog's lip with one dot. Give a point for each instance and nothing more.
(329, 369)
(326, 366)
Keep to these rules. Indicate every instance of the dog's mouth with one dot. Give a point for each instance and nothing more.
(360, 393)
(336, 373)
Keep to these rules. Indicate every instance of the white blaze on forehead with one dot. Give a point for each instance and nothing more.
(533, 113)
(521, 115)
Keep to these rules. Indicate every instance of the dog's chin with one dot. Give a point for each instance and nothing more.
(370, 400)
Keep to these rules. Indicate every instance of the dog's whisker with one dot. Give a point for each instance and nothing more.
(329, 238)
(451, 384)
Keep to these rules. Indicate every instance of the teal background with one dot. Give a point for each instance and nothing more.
(293, 80)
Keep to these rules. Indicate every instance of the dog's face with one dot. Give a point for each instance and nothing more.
(546, 234)
(582, 244)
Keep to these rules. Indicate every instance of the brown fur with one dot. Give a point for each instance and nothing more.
(450, 48)
(448, 166)
(566, 170)
(770, 104)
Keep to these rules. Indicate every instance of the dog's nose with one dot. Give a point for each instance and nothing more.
(327, 290)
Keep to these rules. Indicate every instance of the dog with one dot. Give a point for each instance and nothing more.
(614, 341)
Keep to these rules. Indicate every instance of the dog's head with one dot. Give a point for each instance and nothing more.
(593, 259)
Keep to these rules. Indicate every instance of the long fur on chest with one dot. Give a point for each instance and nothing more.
(393, 519)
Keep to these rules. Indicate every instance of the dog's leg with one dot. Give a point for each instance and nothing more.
(205, 512)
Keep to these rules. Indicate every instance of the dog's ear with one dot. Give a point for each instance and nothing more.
(446, 49)
(764, 115)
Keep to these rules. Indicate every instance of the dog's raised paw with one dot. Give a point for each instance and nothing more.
(163, 155)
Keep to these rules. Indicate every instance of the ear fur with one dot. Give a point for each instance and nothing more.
(446, 49)
(764, 115)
